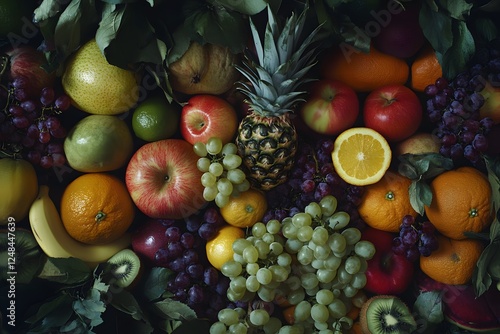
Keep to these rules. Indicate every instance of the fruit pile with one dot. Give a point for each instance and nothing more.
(250, 167)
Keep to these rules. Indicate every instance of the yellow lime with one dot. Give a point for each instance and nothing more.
(97, 87)
(155, 119)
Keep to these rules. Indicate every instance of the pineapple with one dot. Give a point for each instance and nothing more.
(267, 139)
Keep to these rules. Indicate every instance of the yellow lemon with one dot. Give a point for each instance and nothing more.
(220, 248)
(97, 87)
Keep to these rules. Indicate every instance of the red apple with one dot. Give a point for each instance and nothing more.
(205, 116)
(394, 111)
(331, 108)
(26, 61)
(148, 238)
(164, 181)
(387, 273)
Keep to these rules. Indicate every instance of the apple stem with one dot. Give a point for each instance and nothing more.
(100, 216)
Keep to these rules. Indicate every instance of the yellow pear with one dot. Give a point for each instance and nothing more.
(204, 69)
(97, 87)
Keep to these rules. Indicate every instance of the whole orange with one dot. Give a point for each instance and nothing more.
(461, 202)
(453, 262)
(425, 69)
(246, 209)
(362, 71)
(96, 208)
(385, 203)
(219, 249)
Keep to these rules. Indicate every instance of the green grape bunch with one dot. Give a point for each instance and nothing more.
(313, 259)
(222, 176)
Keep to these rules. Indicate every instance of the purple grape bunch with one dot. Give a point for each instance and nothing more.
(196, 283)
(31, 127)
(415, 239)
(312, 178)
(454, 109)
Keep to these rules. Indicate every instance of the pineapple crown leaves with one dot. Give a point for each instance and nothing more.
(280, 66)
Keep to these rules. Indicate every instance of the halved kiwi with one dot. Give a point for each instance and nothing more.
(385, 314)
(125, 267)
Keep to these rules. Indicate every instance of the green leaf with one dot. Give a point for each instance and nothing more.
(429, 306)
(78, 20)
(455, 59)
(481, 279)
(175, 310)
(46, 10)
(432, 21)
(420, 196)
(128, 28)
(493, 169)
(125, 302)
(69, 271)
(457, 9)
(52, 314)
(156, 282)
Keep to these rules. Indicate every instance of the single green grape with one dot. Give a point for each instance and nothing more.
(280, 274)
(209, 193)
(236, 176)
(243, 186)
(320, 235)
(337, 308)
(292, 246)
(221, 200)
(268, 237)
(284, 259)
(352, 264)
(238, 284)
(322, 252)
(224, 186)
(250, 254)
(339, 220)
(231, 161)
(314, 210)
(324, 296)
(240, 244)
(264, 276)
(229, 148)
(266, 294)
(216, 168)
(352, 235)
(231, 268)
(218, 327)
(328, 205)
(208, 179)
(252, 268)
(228, 316)
(302, 311)
(200, 149)
(302, 219)
(332, 262)
(305, 233)
(358, 280)
(258, 317)
(326, 275)
(276, 248)
(258, 229)
(273, 226)
(262, 248)
(337, 242)
(309, 281)
(364, 249)
(252, 284)
(272, 326)
(289, 231)
(297, 295)
(350, 291)
(214, 145)
(305, 255)
(239, 328)
(203, 164)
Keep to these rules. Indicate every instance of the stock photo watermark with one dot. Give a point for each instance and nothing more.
(11, 272)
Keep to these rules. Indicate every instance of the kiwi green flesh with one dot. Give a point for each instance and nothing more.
(28, 257)
(389, 315)
(125, 267)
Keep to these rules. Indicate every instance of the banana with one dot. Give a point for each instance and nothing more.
(55, 241)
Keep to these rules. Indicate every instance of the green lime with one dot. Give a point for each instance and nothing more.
(155, 119)
(14, 14)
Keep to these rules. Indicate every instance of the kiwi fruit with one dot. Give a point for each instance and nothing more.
(27, 258)
(385, 314)
(125, 267)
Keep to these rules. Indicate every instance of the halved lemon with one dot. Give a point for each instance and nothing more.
(361, 156)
